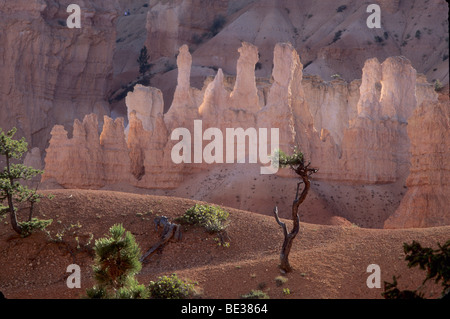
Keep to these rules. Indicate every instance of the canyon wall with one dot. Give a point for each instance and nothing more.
(325, 33)
(353, 132)
(425, 203)
(52, 74)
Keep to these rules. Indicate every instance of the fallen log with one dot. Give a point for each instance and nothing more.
(170, 230)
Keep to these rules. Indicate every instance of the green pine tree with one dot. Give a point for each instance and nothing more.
(436, 262)
(116, 264)
(12, 190)
(144, 66)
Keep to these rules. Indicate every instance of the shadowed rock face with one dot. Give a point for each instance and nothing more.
(52, 74)
(363, 142)
(325, 33)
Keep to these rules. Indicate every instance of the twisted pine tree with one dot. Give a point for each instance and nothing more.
(297, 163)
(116, 264)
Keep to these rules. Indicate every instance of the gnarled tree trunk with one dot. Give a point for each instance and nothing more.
(289, 237)
(297, 164)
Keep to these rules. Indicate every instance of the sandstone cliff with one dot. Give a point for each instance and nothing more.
(426, 202)
(375, 146)
(52, 74)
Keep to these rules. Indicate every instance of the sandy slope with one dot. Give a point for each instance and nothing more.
(329, 261)
(328, 202)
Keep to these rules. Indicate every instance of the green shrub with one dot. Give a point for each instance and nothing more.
(256, 294)
(212, 218)
(286, 291)
(438, 86)
(133, 290)
(337, 36)
(418, 34)
(34, 224)
(378, 39)
(280, 280)
(170, 287)
(296, 158)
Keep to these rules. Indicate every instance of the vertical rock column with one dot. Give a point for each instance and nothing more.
(183, 110)
(375, 146)
(76, 162)
(147, 138)
(425, 204)
(116, 161)
(215, 101)
(245, 93)
(58, 152)
(277, 113)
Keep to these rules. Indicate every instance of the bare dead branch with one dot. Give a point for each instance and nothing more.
(283, 225)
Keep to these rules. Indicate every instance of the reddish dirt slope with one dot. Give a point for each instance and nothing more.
(329, 261)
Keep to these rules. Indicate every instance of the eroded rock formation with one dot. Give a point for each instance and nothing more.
(425, 204)
(115, 158)
(332, 38)
(354, 132)
(375, 145)
(76, 162)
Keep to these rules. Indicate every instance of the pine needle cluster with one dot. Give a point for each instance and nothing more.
(116, 264)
